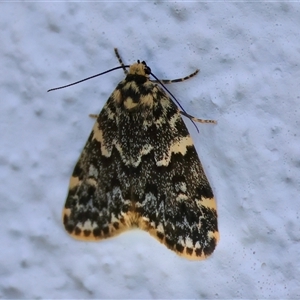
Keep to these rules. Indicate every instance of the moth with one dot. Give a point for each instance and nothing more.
(139, 168)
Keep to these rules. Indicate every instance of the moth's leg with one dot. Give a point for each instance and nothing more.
(166, 81)
(196, 119)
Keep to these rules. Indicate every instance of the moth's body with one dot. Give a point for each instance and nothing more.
(139, 168)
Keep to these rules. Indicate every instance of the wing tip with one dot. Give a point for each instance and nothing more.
(90, 231)
(187, 249)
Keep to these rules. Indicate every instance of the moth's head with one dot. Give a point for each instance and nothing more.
(140, 68)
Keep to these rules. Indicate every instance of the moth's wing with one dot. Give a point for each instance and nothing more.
(175, 201)
(139, 167)
(178, 206)
(98, 203)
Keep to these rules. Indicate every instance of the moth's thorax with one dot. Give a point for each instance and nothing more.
(137, 92)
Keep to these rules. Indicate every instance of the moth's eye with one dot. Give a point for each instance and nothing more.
(147, 70)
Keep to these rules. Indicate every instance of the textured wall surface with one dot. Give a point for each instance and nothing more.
(248, 54)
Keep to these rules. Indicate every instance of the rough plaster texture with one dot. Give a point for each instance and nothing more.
(249, 57)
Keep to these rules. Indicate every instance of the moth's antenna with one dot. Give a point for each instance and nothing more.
(186, 114)
(64, 86)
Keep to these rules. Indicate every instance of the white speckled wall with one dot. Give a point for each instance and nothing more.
(249, 56)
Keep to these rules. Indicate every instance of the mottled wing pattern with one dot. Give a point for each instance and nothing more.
(140, 168)
(99, 202)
